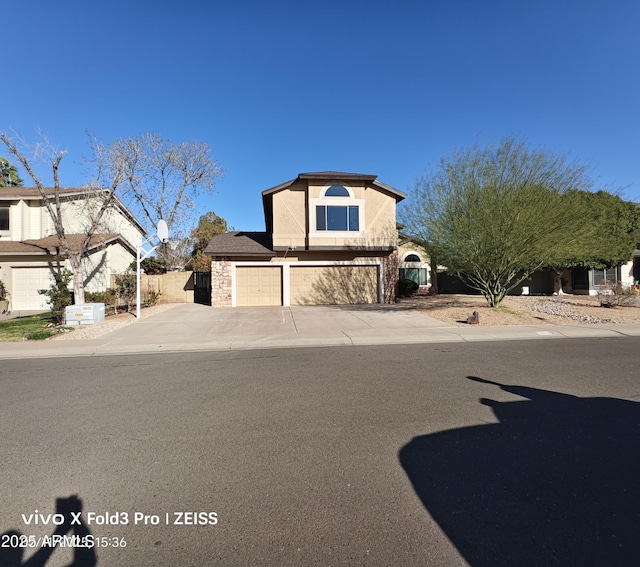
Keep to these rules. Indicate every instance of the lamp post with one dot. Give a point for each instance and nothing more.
(163, 235)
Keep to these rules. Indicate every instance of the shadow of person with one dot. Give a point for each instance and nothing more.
(555, 482)
(12, 553)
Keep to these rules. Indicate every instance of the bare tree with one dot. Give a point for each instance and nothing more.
(162, 179)
(96, 200)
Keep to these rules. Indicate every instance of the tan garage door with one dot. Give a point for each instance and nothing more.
(25, 285)
(334, 285)
(258, 286)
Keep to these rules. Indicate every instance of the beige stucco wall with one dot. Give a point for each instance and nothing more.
(289, 217)
(294, 211)
(410, 248)
(74, 214)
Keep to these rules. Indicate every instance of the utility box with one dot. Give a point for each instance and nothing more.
(84, 314)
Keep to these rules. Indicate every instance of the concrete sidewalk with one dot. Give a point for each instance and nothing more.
(192, 327)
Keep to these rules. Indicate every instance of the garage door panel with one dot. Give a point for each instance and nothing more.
(334, 285)
(258, 286)
(25, 285)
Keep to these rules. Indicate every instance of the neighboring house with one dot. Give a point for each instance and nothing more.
(30, 249)
(591, 282)
(330, 238)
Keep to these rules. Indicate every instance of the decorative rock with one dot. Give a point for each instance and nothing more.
(474, 318)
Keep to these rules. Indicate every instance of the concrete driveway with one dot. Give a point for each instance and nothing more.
(192, 326)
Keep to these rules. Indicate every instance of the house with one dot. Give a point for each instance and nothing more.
(330, 238)
(30, 249)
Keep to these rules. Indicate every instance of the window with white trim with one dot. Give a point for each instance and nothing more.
(605, 277)
(414, 268)
(337, 211)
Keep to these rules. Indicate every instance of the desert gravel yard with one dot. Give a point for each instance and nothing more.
(527, 310)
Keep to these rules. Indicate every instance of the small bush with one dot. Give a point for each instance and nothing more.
(126, 289)
(58, 295)
(150, 298)
(407, 288)
(107, 297)
(41, 335)
(617, 295)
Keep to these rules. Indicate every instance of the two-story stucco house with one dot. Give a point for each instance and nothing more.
(30, 249)
(331, 238)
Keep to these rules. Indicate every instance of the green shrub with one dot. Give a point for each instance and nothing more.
(407, 288)
(58, 295)
(41, 335)
(108, 297)
(150, 298)
(151, 265)
(126, 289)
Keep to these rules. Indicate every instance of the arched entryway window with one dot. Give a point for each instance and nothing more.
(414, 268)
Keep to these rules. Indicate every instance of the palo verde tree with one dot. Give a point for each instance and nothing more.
(492, 215)
(96, 202)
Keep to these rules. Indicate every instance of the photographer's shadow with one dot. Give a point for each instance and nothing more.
(83, 556)
(555, 482)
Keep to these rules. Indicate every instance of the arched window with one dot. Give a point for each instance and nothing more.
(337, 210)
(415, 269)
(337, 191)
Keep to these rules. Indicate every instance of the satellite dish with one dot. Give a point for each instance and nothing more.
(163, 231)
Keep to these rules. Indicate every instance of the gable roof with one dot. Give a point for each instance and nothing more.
(240, 244)
(337, 176)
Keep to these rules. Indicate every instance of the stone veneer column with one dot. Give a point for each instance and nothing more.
(220, 282)
(390, 266)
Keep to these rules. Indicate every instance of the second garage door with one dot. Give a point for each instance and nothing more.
(258, 286)
(334, 285)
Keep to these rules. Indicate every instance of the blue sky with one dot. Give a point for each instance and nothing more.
(278, 88)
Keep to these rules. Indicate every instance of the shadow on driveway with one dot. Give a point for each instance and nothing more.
(555, 482)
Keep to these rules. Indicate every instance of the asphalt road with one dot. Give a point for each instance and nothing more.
(489, 454)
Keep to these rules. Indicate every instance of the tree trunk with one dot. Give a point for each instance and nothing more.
(433, 268)
(557, 282)
(390, 266)
(78, 281)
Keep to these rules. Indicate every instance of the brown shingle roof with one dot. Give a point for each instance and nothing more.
(13, 247)
(74, 240)
(240, 244)
(51, 244)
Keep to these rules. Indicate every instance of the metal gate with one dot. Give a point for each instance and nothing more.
(202, 288)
